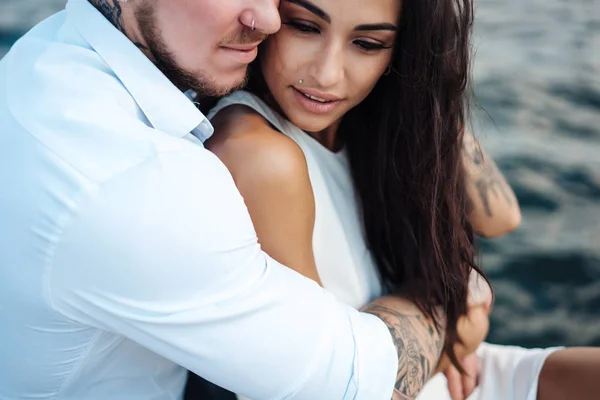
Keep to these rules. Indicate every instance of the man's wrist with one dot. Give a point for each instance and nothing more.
(418, 343)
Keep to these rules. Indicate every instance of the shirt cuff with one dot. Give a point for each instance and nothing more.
(375, 359)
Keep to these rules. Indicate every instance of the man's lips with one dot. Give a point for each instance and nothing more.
(241, 47)
(241, 53)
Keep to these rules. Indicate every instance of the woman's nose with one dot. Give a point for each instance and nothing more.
(328, 68)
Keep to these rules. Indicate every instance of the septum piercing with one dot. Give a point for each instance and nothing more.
(252, 22)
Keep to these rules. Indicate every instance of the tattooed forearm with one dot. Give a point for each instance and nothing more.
(485, 177)
(418, 343)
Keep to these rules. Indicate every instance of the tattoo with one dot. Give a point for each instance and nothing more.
(111, 9)
(485, 176)
(418, 343)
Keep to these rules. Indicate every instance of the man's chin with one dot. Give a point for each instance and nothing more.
(220, 88)
(235, 84)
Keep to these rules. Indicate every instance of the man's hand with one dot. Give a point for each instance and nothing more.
(480, 298)
(419, 344)
(461, 386)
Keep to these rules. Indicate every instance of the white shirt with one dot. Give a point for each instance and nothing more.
(126, 252)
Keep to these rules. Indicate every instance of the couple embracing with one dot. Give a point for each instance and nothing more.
(142, 238)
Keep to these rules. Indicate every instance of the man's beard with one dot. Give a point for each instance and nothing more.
(203, 85)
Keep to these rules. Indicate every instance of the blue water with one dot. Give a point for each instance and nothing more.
(537, 76)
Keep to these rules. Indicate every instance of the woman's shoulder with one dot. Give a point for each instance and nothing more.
(252, 149)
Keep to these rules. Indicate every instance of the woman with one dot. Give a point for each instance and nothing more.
(365, 189)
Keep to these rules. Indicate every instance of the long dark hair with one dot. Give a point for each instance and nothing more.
(404, 142)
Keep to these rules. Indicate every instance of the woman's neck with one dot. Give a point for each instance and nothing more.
(329, 137)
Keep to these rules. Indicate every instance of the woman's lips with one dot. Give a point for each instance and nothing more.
(316, 104)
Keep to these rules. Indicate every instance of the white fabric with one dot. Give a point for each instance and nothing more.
(507, 372)
(127, 254)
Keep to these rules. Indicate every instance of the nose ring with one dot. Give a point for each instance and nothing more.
(301, 81)
(252, 24)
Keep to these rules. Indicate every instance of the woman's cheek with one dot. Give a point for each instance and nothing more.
(364, 71)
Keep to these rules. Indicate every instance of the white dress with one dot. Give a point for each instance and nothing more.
(347, 268)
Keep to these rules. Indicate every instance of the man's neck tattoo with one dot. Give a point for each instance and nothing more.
(111, 9)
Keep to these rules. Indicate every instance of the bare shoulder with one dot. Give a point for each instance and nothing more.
(271, 174)
(254, 151)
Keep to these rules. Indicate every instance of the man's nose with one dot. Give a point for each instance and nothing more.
(263, 16)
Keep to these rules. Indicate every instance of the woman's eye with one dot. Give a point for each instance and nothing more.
(369, 46)
(302, 26)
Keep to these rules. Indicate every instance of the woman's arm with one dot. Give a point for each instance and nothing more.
(270, 172)
(572, 373)
(494, 209)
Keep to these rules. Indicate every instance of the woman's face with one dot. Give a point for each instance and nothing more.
(328, 56)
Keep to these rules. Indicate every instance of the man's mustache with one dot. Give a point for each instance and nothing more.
(246, 36)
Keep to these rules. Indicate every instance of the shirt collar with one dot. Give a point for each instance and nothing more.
(166, 107)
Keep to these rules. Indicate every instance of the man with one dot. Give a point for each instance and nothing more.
(127, 254)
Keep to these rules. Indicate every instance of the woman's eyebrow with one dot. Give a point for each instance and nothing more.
(377, 27)
(312, 8)
(306, 4)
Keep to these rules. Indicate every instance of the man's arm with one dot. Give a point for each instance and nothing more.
(165, 255)
(411, 330)
(418, 344)
(494, 209)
